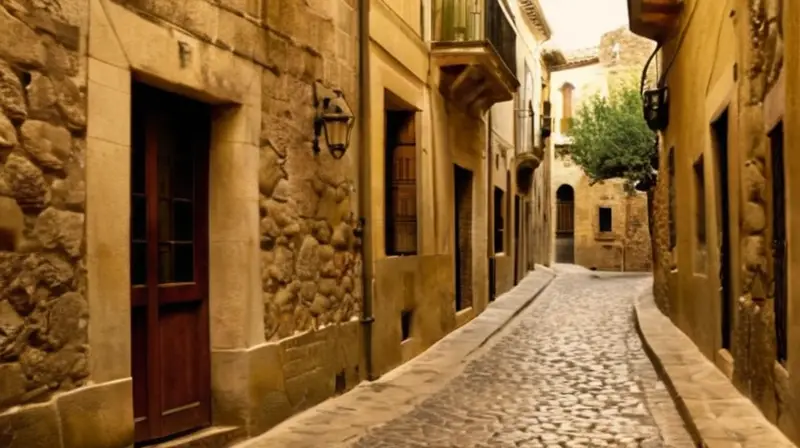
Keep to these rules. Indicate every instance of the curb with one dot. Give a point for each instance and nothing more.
(516, 312)
(715, 413)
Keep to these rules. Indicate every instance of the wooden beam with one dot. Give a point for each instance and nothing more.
(670, 7)
(462, 77)
(475, 93)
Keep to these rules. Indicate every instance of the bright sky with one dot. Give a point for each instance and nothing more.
(580, 23)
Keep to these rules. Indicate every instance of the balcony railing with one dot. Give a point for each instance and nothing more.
(478, 20)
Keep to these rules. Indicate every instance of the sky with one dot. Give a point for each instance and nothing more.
(580, 23)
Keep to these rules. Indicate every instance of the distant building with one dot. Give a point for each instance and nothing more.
(601, 226)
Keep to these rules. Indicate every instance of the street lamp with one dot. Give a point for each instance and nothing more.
(656, 108)
(334, 118)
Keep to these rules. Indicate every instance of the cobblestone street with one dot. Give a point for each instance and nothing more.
(571, 373)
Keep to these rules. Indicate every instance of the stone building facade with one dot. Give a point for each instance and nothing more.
(541, 203)
(724, 219)
(517, 158)
(170, 267)
(601, 226)
(177, 255)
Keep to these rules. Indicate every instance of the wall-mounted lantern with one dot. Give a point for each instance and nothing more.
(334, 118)
(546, 127)
(656, 108)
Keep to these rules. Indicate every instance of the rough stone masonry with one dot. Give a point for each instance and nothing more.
(43, 312)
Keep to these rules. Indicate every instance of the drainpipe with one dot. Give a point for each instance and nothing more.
(364, 182)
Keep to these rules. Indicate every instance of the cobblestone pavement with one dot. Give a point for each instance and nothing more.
(570, 373)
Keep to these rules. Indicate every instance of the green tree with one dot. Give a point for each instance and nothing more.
(611, 140)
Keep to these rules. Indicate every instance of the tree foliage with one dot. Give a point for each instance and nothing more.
(610, 138)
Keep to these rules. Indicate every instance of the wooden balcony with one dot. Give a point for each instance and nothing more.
(654, 19)
(475, 49)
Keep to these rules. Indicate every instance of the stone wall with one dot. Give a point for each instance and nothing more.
(633, 53)
(754, 333)
(638, 250)
(43, 311)
(749, 40)
(627, 246)
(662, 215)
(311, 264)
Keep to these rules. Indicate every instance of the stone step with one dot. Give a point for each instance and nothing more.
(213, 437)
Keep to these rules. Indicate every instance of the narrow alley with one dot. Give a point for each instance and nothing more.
(569, 371)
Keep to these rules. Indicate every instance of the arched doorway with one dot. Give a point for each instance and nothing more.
(565, 224)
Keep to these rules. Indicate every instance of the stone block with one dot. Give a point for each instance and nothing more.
(109, 114)
(202, 18)
(108, 255)
(19, 43)
(97, 416)
(310, 388)
(230, 375)
(269, 403)
(103, 43)
(238, 33)
(35, 426)
(248, 7)
(234, 286)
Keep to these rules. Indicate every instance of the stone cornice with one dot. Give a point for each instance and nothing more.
(533, 11)
(576, 58)
(553, 58)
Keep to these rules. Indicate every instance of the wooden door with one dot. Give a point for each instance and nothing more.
(462, 225)
(518, 254)
(720, 129)
(169, 264)
(779, 247)
(565, 224)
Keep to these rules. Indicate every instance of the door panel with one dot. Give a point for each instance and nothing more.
(169, 264)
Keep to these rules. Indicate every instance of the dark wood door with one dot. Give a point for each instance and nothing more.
(779, 247)
(463, 237)
(518, 255)
(169, 264)
(720, 128)
(565, 224)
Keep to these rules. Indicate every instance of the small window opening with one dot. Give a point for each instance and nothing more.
(700, 202)
(405, 324)
(341, 382)
(605, 220)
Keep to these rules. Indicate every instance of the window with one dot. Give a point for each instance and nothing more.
(401, 183)
(405, 325)
(604, 218)
(566, 103)
(499, 215)
(700, 202)
(699, 216)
